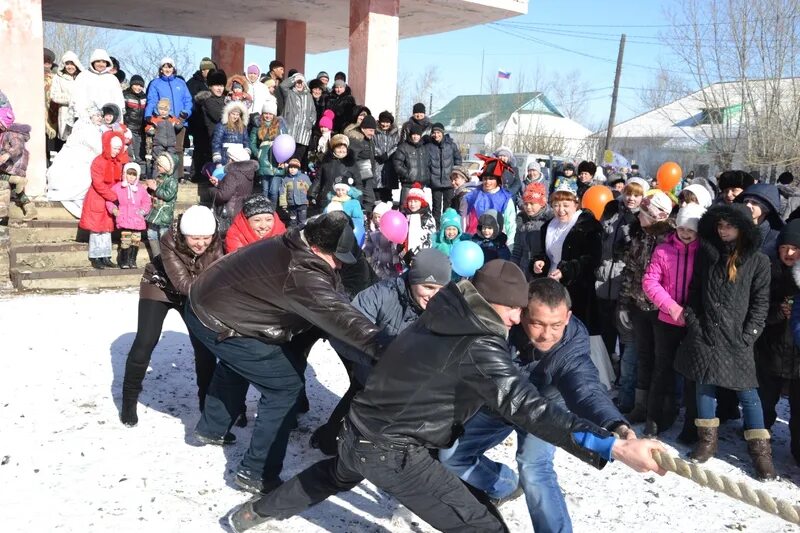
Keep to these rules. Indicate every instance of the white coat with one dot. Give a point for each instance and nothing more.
(69, 177)
(95, 89)
(61, 94)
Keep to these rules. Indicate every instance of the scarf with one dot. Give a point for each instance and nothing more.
(557, 233)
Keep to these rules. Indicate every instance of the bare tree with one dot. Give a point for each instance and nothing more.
(666, 87)
(570, 96)
(537, 140)
(82, 40)
(422, 87)
(144, 59)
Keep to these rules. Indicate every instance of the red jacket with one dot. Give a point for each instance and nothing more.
(106, 171)
(240, 233)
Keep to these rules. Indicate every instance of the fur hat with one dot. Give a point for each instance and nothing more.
(217, 77)
(501, 282)
(535, 193)
(230, 106)
(270, 106)
(198, 220)
(385, 116)
(689, 216)
(257, 204)
(237, 153)
(327, 119)
(737, 179)
(166, 162)
(429, 266)
(461, 171)
(587, 166)
(338, 140)
(419, 107)
(207, 64)
(315, 84)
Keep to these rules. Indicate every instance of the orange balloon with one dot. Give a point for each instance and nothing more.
(596, 198)
(668, 176)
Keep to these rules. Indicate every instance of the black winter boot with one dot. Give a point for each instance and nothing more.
(133, 251)
(97, 263)
(123, 256)
(108, 262)
(128, 414)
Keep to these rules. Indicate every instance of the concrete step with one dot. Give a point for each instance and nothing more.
(54, 256)
(45, 211)
(74, 278)
(193, 193)
(42, 231)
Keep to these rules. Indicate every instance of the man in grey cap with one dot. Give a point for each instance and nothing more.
(430, 380)
(247, 308)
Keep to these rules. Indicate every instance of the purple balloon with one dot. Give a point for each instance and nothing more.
(283, 147)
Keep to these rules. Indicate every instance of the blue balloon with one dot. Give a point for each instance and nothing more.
(466, 257)
(219, 173)
(359, 233)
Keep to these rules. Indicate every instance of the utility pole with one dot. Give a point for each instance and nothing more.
(483, 55)
(615, 93)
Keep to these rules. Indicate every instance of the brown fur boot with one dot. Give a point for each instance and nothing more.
(707, 432)
(760, 452)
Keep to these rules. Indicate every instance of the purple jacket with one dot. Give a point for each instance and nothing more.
(666, 280)
(133, 205)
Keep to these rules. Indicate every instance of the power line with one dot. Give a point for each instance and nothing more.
(688, 24)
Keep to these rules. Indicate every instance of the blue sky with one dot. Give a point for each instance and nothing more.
(570, 29)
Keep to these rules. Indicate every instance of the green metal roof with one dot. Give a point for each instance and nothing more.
(481, 113)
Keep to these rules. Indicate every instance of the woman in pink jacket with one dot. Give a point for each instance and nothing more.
(132, 206)
(666, 284)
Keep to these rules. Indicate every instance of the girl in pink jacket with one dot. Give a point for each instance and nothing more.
(666, 284)
(132, 206)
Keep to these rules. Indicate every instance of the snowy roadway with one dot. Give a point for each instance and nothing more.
(69, 465)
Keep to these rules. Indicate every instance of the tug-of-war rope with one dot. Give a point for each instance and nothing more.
(738, 490)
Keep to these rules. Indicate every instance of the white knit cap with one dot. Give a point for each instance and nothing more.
(689, 216)
(237, 153)
(270, 106)
(381, 208)
(702, 194)
(641, 182)
(165, 60)
(198, 220)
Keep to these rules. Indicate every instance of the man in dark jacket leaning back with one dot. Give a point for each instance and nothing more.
(429, 381)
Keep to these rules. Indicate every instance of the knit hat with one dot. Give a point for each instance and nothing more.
(657, 205)
(689, 216)
(237, 153)
(294, 162)
(568, 166)
(451, 218)
(641, 182)
(252, 68)
(207, 64)
(438, 126)
(340, 76)
(275, 64)
(270, 106)
(339, 83)
(132, 166)
(257, 204)
(504, 151)
(501, 282)
(137, 80)
(298, 76)
(340, 183)
(737, 179)
(217, 77)
(429, 266)
(198, 220)
(327, 119)
(368, 123)
(587, 166)
(49, 56)
(415, 193)
(338, 140)
(166, 162)
(419, 107)
(534, 165)
(323, 74)
(166, 60)
(385, 116)
(701, 193)
(790, 234)
(462, 172)
(381, 208)
(535, 194)
(416, 129)
(786, 178)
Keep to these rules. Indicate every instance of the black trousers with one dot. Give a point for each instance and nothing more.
(368, 196)
(644, 327)
(769, 389)
(661, 396)
(301, 154)
(441, 201)
(608, 323)
(148, 331)
(383, 194)
(409, 474)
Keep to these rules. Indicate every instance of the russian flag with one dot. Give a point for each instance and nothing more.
(503, 74)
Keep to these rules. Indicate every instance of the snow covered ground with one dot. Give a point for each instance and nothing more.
(69, 465)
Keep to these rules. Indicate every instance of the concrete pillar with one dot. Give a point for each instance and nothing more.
(290, 45)
(372, 68)
(22, 79)
(228, 54)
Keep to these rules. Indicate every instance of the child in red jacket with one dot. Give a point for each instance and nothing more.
(133, 204)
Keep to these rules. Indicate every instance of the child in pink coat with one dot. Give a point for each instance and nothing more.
(666, 284)
(133, 205)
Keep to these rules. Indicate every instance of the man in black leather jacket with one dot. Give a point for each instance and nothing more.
(426, 385)
(250, 309)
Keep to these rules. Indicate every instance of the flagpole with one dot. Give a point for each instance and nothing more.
(483, 54)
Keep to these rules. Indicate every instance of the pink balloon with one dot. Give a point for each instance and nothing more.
(394, 226)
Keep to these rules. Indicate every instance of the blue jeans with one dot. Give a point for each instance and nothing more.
(749, 399)
(271, 188)
(546, 505)
(627, 380)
